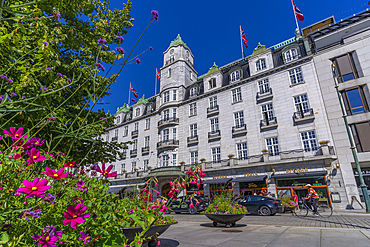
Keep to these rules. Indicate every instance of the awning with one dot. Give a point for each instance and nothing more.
(250, 179)
(298, 175)
(216, 181)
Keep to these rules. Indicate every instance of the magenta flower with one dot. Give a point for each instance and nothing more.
(100, 66)
(57, 15)
(48, 69)
(48, 237)
(155, 15)
(104, 119)
(45, 43)
(106, 173)
(14, 94)
(138, 61)
(4, 77)
(51, 117)
(74, 215)
(69, 80)
(36, 188)
(150, 48)
(69, 164)
(57, 175)
(37, 141)
(35, 155)
(14, 134)
(81, 186)
(102, 41)
(60, 75)
(85, 237)
(120, 39)
(43, 88)
(120, 50)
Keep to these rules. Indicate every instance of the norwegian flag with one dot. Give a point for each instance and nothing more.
(242, 35)
(133, 91)
(297, 12)
(157, 73)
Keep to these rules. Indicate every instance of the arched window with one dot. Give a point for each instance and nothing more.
(118, 119)
(261, 64)
(235, 76)
(291, 55)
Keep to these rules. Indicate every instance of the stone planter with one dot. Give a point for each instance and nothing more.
(227, 219)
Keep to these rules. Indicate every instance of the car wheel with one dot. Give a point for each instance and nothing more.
(192, 210)
(265, 211)
(177, 212)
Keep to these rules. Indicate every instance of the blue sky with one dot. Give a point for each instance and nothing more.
(211, 31)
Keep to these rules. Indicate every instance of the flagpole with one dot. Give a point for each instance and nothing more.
(295, 16)
(156, 78)
(241, 40)
(129, 94)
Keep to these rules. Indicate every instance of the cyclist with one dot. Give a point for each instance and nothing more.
(313, 198)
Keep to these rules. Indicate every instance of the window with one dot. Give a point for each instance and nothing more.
(125, 131)
(166, 114)
(239, 119)
(261, 64)
(174, 133)
(146, 164)
(174, 95)
(264, 86)
(267, 112)
(134, 144)
(174, 111)
(147, 123)
(272, 145)
(346, 67)
(216, 154)
(355, 101)
(214, 125)
(118, 119)
(193, 91)
(146, 141)
(291, 55)
(193, 130)
(124, 152)
(136, 126)
(301, 103)
(166, 135)
(138, 112)
(169, 72)
(133, 166)
(235, 76)
(193, 109)
(212, 83)
(213, 102)
(166, 97)
(123, 167)
(309, 141)
(116, 133)
(237, 95)
(242, 150)
(361, 136)
(296, 76)
(174, 159)
(193, 157)
(150, 108)
(165, 159)
(191, 75)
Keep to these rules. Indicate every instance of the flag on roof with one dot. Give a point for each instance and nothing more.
(133, 90)
(157, 73)
(133, 100)
(297, 12)
(242, 35)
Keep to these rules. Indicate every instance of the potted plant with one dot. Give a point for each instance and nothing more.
(202, 160)
(136, 169)
(124, 171)
(264, 151)
(324, 142)
(230, 156)
(288, 204)
(149, 167)
(182, 163)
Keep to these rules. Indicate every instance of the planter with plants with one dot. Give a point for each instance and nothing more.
(324, 143)
(288, 204)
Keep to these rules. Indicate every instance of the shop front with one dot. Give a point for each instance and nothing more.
(251, 185)
(193, 189)
(366, 176)
(218, 185)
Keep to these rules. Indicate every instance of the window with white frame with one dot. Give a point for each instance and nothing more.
(214, 125)
(267, 111)
(212, 83)
(133, 166)
(193, 130)
(264, 86)
(166, 114)
(123, 167)
(235, 76)
(291, 55)
(309, 141)
(134, 144)
(193, 157)
(166, 135)
(301, 103)
(124, 152)
(147, 123)
(296, 76)
(174, 159)
(165, 160)
(213, 102)
(118, 119)
(169, 72)
(116, 133)
(261, 64)
(174, 113)
(216, 154)
(174, 134)
(193, 109)
(242, 150)
(239, 119)
(146, 141)
(237, 94)
(136, 126)
(193, 91)
(166, 97)
(125, 131)
(146, 164)
(191, 75)
(150, 108)
(138, 112)
(272, 146)
(174, 95)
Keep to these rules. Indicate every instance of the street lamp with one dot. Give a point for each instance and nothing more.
(363, 185)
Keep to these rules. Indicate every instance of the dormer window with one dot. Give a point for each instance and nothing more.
(118, 119)
(261, 64)
(169, 72)
(212, 83)
(138, 112)
(166, 97)
(291, 55)
(150, 108)
(193, 92)
(235, 76)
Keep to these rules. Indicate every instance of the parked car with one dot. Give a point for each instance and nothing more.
(262, 205)
(182, 205)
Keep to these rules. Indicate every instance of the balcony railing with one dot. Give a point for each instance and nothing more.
(240, 130)
(301, 116)
(145, 150)
(134, 133)
(192, 140)
(265, 95)
(212, 111)
(269, 123)
(214, 135)
(167, 144)
(133, 152)
(168, 121)
(114, 138)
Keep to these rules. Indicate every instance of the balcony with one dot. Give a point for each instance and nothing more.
(303, 116)
(135, 133)
(114, 138)
(133, 152)
(168, 121)
(192, 140)
(168, 144)
(214, 135)
(266, 95)
(145, 150)
(239, 130)
(212, 111)
(268, 123)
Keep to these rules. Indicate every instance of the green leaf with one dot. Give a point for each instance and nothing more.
(4, 238)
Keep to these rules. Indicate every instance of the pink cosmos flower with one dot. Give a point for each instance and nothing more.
(85, 237)
(69, 164)
(37, 141)
(36, 188)
(106, 173)
(35, 155)
(74, 215)
(14, 134)
(48, 237)
(57, 175)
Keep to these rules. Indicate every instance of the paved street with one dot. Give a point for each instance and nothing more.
(280, 230)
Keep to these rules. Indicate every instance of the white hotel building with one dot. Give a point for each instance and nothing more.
(257, 120)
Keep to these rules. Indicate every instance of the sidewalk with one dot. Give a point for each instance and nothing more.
(350, 212)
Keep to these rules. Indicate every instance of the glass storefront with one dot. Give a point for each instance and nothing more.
(193, 189)
(251, 188)
(217, 189)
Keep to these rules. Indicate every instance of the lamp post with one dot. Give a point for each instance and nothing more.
(353, 148)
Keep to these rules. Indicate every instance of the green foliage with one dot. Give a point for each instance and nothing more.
(286, 202)
(224, 204)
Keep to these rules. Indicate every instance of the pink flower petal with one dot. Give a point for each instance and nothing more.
(43, 182)
(27, 183)
(34, 182)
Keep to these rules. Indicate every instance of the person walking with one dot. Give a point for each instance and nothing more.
(313, 197)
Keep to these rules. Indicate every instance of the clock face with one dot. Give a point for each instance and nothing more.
(172, 51)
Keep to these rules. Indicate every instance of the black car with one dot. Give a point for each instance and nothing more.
(261, 205)
(182, 205)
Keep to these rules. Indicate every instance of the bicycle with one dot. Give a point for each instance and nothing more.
(323, 210)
